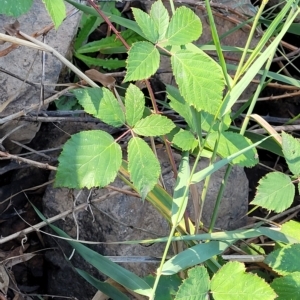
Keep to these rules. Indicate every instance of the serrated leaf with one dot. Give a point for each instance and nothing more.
(143, 166)
(208, 122)
(88, 159)
(134, 104)
(110, 64)
(230, 143)
(178, 104)
(193, 256)
(285, 260)
(185, 140)
(146, 24)
(287, 287)
(196, 286)
(292, 229)
(102, 104)
(56, 10)
(232, 282)
(275, 192)
(142, 61)
(198, 176)
(196, 74)
(291, 151)
(15, 8)
(185, 27)
(153, 125)
(160, 17)
(181, 190)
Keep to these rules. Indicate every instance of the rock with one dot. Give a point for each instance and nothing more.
(27, 63)
(125, 218)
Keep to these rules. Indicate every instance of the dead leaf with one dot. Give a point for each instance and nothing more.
(106, 80)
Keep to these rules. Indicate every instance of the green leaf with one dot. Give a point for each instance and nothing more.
(143, 166)
(292, 229)
(146, 24)
(275, 192)
(185, 140)
(110, 42)
(88, 159)
(66, 103)
(178, 104)
(285, 260)
(181, 190)
(85, 30)
(15, 8)
(110, 63)
(142, 61)
(291, 151)
(231, 282)
(102, 104)
(134, 104)
(196, 286)
(104, 287)
(195, 74)
(230, 143)
(103, 264)
(287, 287)
(160, 17)
(167, 286)
(153, 125)
(185, 27)
(56, 10)
(197, 177)
(193, 256)
(208, 122)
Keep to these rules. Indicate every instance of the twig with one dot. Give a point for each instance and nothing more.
(278, 129)
(34, 106)
(28, 161)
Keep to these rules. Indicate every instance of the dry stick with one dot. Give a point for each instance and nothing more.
(34, 106)
(28, 161)
(278, 129)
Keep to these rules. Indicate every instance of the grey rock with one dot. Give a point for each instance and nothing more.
(27, 63)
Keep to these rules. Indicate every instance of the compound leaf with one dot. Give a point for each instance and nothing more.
(56, 10)
(196, 286)
(146, 24)
(231, 282)
(134, 104)
(185, 140)
(143, 166)
(153, 125)
(160, 17)
(195, 74)
(102, 104)
(15, 8)
(287, 287)
(285, 260)
(275, 192)
(230, 143)
(142, 61)
(185, 27)
(88, 159)
(291, 151)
